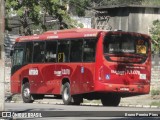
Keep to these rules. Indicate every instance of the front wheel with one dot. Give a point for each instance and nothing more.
(110, 100)
(26, 95)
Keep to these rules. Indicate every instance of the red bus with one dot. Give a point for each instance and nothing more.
(81, 63)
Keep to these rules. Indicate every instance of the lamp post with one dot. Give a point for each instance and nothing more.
(2, 56)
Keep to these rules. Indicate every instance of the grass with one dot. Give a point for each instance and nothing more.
(155, 92)
(155, 103)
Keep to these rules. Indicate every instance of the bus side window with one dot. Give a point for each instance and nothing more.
(51, 48)
(63, 51)
(76, 50)
(38, 54)
(89, 50)
(29, 51)
(61, 57)
(18, 57)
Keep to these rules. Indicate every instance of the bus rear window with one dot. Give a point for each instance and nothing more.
(125, 43)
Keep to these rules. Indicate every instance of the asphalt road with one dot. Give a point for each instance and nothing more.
(85, 112)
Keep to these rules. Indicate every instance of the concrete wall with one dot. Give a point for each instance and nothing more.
(133, 19)
(9, 41)
(155, 72)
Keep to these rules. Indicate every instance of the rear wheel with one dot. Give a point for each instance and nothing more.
(67, 98)
(66, 95)
(110, 100)
(26, 95)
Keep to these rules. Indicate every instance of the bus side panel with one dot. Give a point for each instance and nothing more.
(17, 77)
(99, 61)
(36, 78)
(15, 83)
(70, 72)
(49, 81)
(40, 78)
(88, 77)
(76, 78)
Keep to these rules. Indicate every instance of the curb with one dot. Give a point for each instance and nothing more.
(90, 104)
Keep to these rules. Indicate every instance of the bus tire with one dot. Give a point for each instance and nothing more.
(77, 99)
(26, 96)
(110, 100)
(66, 94)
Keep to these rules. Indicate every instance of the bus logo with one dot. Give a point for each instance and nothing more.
(33, 71)
(62, 72)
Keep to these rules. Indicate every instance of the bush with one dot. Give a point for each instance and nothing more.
(155, 92)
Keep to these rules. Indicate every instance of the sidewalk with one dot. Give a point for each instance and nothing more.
(136, 101)
(139, 100)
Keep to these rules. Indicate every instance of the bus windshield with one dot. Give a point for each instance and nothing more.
(125, 43)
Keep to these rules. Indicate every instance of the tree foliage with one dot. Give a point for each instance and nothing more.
(151, 2)
(35, 11)
(122, 2)
(125, 2)
(155, 34)
(78, 7)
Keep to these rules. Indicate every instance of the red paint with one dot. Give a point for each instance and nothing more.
(86, 77)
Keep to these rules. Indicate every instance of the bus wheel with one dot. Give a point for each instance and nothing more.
(26, 95)
(77, 99)
(66, 95)
(110, 100)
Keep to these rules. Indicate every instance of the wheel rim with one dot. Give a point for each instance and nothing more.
(26, 93)
(66, 93)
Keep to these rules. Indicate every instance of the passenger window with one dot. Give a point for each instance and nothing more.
(51, 47)
(63, 51)
(38, 54)
(18, 57)
(29, 51)
(89, 50)
(76, 50)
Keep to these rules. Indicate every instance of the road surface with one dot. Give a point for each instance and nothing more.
(85, 112)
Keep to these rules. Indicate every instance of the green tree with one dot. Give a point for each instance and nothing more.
(155, 35)
(35, 11)
(115, 2)
(151, 2)
(77, 7)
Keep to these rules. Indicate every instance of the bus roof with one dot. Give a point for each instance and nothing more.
(62, 34)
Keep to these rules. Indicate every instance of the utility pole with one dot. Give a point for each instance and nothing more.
(2, 56)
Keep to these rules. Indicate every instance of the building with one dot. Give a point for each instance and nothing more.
(133, 18)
